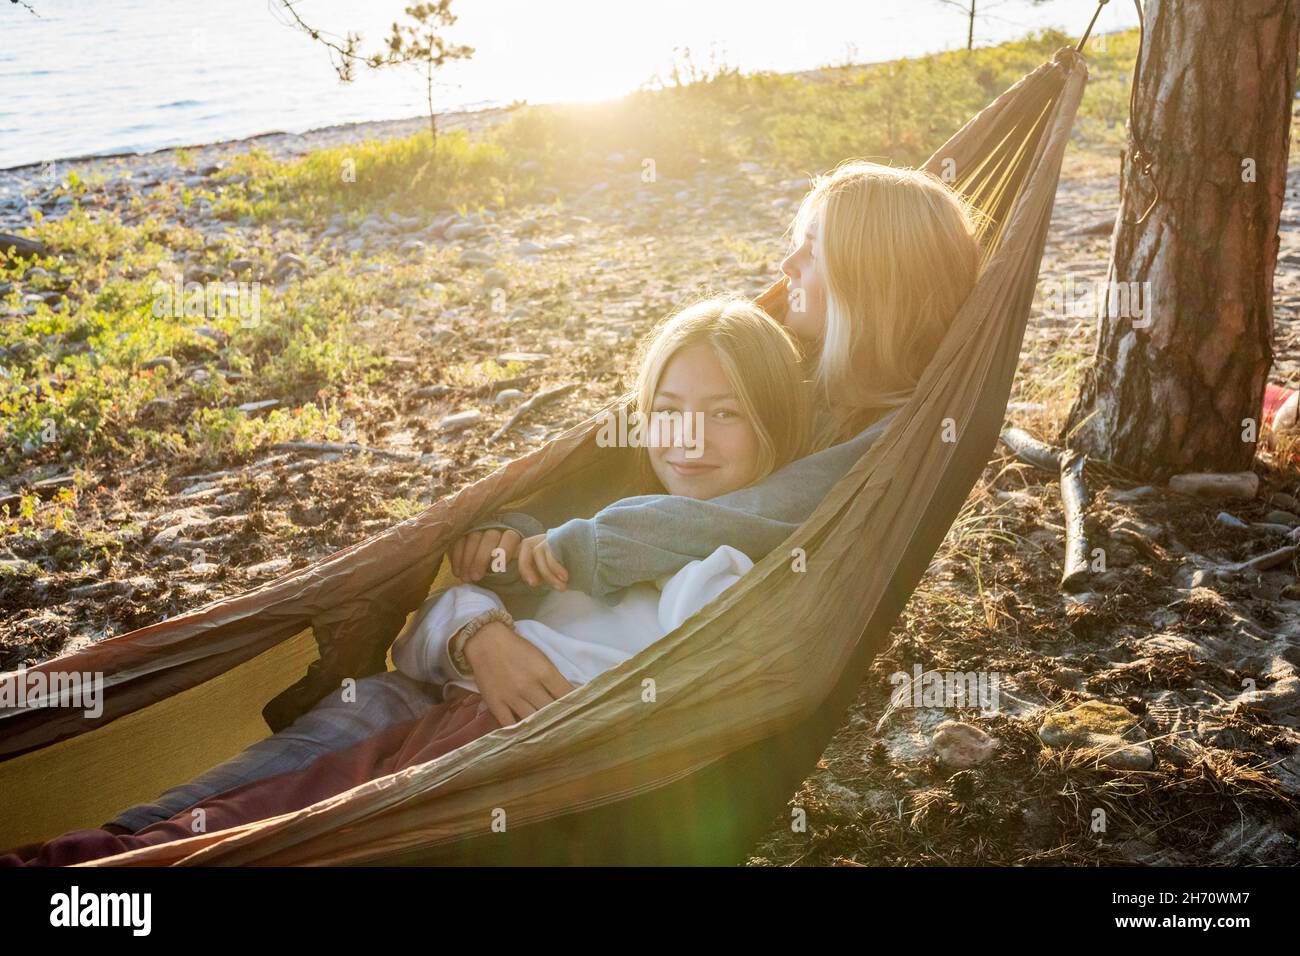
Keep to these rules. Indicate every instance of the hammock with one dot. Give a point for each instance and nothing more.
(746, 694)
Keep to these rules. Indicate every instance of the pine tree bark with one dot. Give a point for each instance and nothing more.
(1177, 388)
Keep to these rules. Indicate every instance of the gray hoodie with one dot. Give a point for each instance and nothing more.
(645, 537)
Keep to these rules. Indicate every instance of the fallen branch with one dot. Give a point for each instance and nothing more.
(1068, 466)
(325, 447)
(1074, 498)
(537, 400)
(501, 384)
(1032, 451)
(1265, 561)
(19, 246)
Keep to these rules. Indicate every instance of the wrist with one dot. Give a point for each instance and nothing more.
(469, 639)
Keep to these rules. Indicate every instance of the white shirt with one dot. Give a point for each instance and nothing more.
(581, 636)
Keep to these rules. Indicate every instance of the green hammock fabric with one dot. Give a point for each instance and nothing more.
(746, 693)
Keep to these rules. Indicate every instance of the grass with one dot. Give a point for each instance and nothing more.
(372, 176)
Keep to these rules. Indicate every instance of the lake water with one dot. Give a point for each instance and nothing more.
(104, 76)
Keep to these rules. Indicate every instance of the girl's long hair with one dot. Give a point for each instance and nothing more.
(901, 256)
(762, 362)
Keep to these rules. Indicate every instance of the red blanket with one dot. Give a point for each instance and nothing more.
(448, 725)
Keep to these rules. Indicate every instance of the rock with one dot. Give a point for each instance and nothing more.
(1238, 484)
(460, 230)
(1269, 528)
(1230, 521)
(528, 358)
(19, 246)
(240, 266)
(414, 246)
(962, 745)
(162, 361)
(288, 265)
(1280, 499)
(460, 420)
(251, 407)
(528, 248)
(274, 566)
(476, 257)
(179, 522)
(1108, 727)
(508, 395)
(1282, 517)
(495, 279)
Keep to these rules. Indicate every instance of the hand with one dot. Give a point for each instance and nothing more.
(538, 564)
(514, 677)
(471, 556)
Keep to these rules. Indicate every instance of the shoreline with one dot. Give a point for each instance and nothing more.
(455, 119)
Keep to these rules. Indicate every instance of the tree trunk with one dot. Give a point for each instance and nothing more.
(1177, 381)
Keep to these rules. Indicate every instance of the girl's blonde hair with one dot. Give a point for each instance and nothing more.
(900, 256)
(762, 361)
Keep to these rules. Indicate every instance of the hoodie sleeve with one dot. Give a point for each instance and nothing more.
(421, 650)
(646, 537)
(525, 525)
(507, 583)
